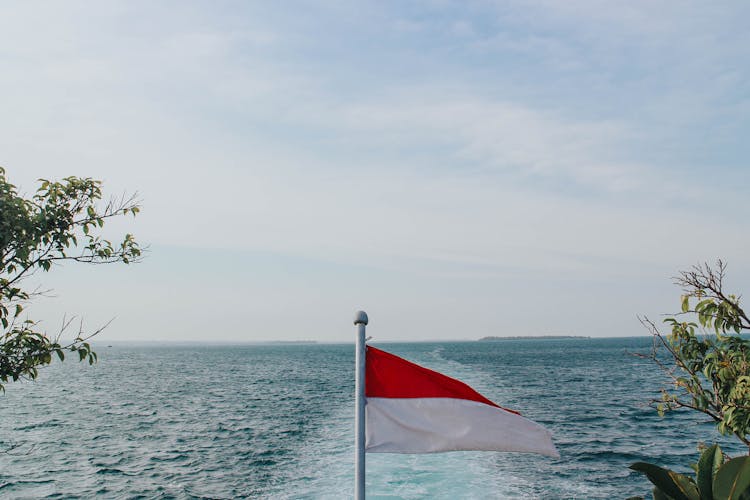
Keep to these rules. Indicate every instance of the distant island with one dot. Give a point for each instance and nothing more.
(533, 337)
(291, 342)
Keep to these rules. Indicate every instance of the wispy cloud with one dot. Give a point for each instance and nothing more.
(481, 145)
(489, 135)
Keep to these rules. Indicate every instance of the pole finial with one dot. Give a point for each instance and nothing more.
(360, 318)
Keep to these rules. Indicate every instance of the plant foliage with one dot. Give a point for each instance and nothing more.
(715, 479)
(61, 222)
(708, 360)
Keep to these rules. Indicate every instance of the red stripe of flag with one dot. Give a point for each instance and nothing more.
(388, 376)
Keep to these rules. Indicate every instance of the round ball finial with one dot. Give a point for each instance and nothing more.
(360, 318)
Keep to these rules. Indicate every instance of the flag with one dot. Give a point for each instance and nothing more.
(410, 409)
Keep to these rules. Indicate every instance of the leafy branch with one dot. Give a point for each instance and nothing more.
(60, 222)
(707, 360)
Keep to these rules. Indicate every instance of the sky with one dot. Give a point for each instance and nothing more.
(456, 169)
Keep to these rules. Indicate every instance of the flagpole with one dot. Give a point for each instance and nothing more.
(360, 319)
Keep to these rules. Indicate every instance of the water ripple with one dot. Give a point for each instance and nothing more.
(214, 422)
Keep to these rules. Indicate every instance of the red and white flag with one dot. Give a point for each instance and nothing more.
(411, 409)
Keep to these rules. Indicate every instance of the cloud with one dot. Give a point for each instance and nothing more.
(498, 136)
(463, 156)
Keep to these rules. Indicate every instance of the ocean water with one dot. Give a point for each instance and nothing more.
(276, 421)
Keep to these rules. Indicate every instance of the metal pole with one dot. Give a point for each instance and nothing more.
(360, 319)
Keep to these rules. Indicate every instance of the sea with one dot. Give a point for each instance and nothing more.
(157, 421)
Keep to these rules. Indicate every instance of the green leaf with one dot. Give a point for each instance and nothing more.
(672, 484)
(685, 303)
(708, 465)
(659, 495)
(732, 479)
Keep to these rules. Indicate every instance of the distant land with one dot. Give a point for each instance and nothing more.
(291, 342)
(533, 337)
